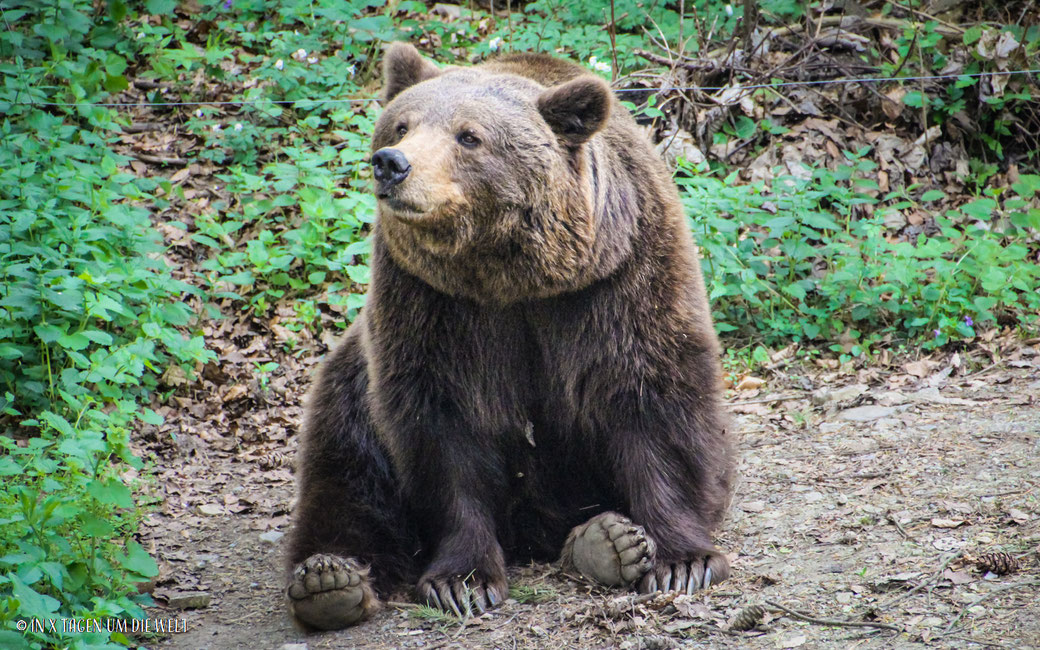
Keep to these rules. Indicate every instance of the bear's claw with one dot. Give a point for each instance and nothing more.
(708, 569)
(462, 595)
(609, 549)
(327, 592)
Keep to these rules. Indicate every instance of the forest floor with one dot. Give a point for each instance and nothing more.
(866, 498)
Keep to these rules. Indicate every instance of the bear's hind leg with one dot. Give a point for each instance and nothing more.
(609, 549)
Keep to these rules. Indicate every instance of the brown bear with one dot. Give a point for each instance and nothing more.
(536, 350)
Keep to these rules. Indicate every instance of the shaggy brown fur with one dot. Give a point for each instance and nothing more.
(536, 348)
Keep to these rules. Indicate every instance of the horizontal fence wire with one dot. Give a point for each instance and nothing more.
(331, 100)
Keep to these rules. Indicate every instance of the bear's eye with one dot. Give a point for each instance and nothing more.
(468, 140)
(401, 130)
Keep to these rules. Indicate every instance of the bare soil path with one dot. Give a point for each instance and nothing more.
(864, 503)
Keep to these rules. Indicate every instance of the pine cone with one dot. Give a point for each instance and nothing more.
(998, 563)
(748, 618)
(275, 459)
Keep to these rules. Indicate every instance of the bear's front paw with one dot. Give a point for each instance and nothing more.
(327, 592)
(705, 569)
(462, 594)
(609, 549)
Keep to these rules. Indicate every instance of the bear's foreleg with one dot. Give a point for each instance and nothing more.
(455, 486)
(349, 535)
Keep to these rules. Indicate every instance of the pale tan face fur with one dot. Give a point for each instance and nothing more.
(431, 189)
(491, 196)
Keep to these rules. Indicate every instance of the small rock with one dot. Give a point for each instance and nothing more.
(891, 398)
(293, 646)
(271, 536)
(844, 394)
(451, 12)
(867, 413)
(189, 600)
(790, 641)
(211, 509)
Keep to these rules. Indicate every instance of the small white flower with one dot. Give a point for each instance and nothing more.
(312, 59)
(198, 113)
(729, 10)
(238, 126)
(494, 44)
(300, 54)
(279, 64)
(599, 66)
(216, 128)
(140, 35)
(351, 69)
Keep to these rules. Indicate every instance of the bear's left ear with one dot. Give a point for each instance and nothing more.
(576, 109)
(404, 67)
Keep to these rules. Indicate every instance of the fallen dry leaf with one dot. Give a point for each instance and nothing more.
(1019, 517)
(919, 369)
(940, 522)
(750, 383)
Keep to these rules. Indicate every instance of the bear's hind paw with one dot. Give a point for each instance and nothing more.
(327, 592)
(609, 549)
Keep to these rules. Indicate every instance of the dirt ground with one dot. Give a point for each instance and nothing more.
(866, 501)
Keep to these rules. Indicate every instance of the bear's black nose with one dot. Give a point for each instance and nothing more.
(390, 167)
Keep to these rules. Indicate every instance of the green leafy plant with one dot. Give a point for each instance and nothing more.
(798, 261)
(89, 314)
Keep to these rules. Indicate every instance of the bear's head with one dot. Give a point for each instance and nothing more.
(486, 180)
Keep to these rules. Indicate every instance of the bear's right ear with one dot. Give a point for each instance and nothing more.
(575, 110)
(404, 67)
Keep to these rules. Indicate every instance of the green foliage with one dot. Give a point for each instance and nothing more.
(802, 261)
(88, 314)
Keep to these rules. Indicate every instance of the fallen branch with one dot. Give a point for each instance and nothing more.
(143, 127)
(850, 22)
(158, 160)
(824, 621)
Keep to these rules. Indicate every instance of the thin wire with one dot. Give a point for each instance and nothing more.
(819, 82)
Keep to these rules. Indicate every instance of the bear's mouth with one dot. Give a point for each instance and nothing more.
(407, 212)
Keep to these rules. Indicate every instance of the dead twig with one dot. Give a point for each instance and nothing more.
(767, 400)
(926, 16)
(932, 578)
(824, 621)
(994, 592)
(159, 160)
(895, 522)
(144, 127)
(848, 22)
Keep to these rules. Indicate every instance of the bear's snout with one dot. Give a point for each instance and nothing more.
(390, 167)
